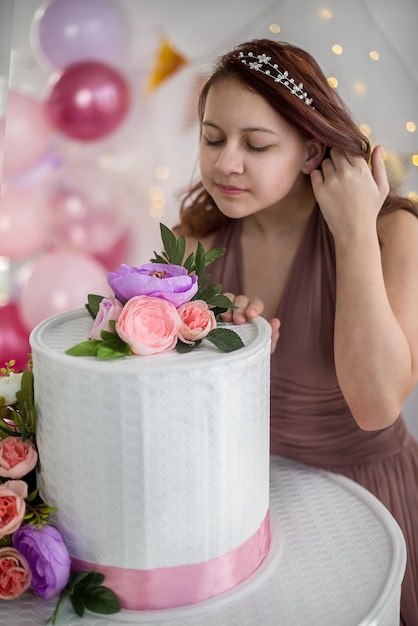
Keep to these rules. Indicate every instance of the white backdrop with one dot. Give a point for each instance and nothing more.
(160, 130)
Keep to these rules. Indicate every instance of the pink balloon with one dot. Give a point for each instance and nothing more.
(66, 32)
(28, 132)
(117, 254)
(60, 281)
(86, 207)
(89, 101)
(14, 338)
(22, 229)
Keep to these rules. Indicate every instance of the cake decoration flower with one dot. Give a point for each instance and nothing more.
(33, 554)
(15, 574)
(164, 304)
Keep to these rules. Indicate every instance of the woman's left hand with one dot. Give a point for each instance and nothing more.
(349, 192)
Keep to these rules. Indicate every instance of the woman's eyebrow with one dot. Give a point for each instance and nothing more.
(247, 129)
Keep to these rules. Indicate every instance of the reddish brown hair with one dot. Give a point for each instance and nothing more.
(327, 120)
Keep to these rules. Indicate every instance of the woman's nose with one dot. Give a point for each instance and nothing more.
(230, 161)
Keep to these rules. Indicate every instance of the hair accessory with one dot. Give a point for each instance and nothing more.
(260, 63)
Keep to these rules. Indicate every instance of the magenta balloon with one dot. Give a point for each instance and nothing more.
(27, 134)
(88, 101)
(22, 228)
(60, 281)
(68, 31)
(14, 338)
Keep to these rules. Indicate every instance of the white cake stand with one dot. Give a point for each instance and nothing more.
(337, 557)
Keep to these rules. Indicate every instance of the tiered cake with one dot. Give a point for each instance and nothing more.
(159, 465)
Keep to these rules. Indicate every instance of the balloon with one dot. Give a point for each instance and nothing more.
(14, 338)
(66, 32)
(27, 133)
(33, 175)
(88, 101)
(59, 281)
(85, 207)
(22, 229)
(117, 254)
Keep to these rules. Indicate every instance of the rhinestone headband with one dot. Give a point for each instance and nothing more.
(261, 63)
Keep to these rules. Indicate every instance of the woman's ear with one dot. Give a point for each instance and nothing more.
(315, 154)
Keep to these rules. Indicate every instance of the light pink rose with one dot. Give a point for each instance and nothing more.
(12, 505)
(197, 321)
(17, 457)
(15, 574)
(109, 309)
(149, 325)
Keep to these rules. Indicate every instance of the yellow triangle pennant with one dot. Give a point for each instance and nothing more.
(168, 61)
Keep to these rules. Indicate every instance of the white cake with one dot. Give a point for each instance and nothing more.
(159, 465)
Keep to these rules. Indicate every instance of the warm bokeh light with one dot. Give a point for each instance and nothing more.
(360, 88)
(326, 14)
(366, 130)
(274, 28)
(337, 49)
(332, 82)
(410, 127)
(162, 172)
(414, 160)
(374, 55)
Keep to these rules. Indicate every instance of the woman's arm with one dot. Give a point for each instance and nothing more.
(376, 320)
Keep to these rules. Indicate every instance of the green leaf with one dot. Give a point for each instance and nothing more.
(108, 352)
(210, 292)
(93, 304)
(200, 259)
(225, 339)
(222, 301)
(181, 248)
(214, 254)
(185, 348)
(189, 263)
(77, 600)
(101, 600)
(85, 348)
(169, 242)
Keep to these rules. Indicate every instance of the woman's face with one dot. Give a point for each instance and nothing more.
(250, 157)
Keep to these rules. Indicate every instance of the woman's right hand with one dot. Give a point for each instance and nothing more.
(247, 310)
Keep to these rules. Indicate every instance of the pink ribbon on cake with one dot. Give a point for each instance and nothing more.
(169, 587)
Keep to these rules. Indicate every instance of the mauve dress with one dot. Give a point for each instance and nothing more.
(310, 420)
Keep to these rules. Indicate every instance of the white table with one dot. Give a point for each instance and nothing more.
(338, 558)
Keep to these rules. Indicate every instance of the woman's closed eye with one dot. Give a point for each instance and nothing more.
(249, 146)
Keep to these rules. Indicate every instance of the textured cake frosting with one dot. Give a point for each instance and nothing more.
(155, 463)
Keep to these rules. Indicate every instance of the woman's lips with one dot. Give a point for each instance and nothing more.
(230, 190)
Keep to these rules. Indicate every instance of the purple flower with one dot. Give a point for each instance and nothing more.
(47, 556)
(159, 280)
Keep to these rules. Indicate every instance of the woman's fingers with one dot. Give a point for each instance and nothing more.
(246, 309)
(275, 325)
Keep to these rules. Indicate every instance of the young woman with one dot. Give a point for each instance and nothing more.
(318, 244)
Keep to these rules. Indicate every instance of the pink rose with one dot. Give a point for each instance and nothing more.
(17, 457)
(197, 321)
(149, 325)
(15, 574)
(12, 505)
(109, 309)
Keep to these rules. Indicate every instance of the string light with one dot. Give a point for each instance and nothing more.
(410, 127)
(337, 49)
(274, 28)
(374, 55)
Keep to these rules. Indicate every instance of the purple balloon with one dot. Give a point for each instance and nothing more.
(88, 101)
(68, 31)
